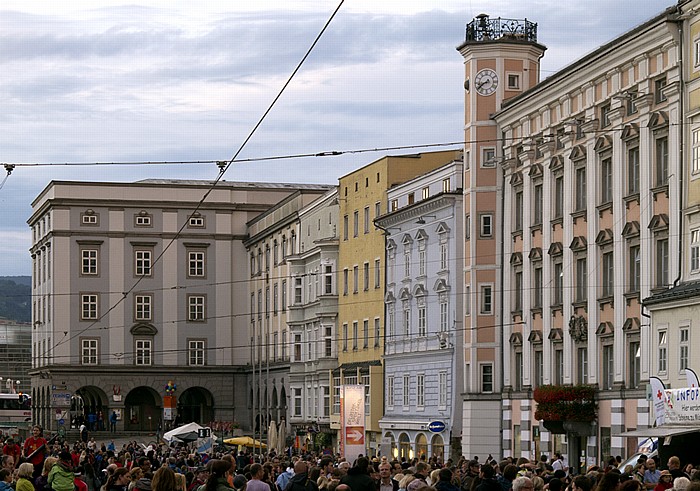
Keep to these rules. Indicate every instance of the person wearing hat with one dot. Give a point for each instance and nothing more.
(61, 475)
(665, 481)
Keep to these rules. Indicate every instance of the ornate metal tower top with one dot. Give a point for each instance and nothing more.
(484, 29)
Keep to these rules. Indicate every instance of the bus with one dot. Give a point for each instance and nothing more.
(15, 410)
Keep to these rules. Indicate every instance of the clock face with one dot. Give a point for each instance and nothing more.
(486, 82)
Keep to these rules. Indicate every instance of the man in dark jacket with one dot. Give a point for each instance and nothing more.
(445, 481)
(358, 477)
(301, 481)
(386, 482)
(487, 482)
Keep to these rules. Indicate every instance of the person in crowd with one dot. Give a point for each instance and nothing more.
(301, 481)
(118, 481)
(35, 450)
(5, 480)
(24, 477)
(665, 481)
(444, 482)
(256, 479)
(358, 477)
(674, 467)
(218, 474)
(651, 475)
(12, 449)
(386, 482)
(164, 480)
(61, 477)
(487, 481)
(681, 483)
(79, 479)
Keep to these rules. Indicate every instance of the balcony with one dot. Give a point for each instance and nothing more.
(484, 29)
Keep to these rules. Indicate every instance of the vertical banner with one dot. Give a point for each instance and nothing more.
(352, 421)
(658, 395)
(692, 378)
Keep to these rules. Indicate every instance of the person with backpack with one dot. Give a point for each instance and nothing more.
(61, 475)
(301, 481)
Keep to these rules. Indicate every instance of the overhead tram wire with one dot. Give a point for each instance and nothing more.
(223, 169)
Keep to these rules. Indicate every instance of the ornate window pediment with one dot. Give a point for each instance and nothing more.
(516, 339)
(441, 286)
(659, 222)
(421, 235)
(605, 329)
(604, 237)
(578, 153)
(556, 249)
(535, 171)
(603, 143)
(631, 229)
(535, 254)
(404, 294)
(535, 336)
(143, 329)
(442, 228)
(556, 334)
(630, 131)
(516, 258)
(632, 324)
(556, 163)
(419, 291)
(390, 245)
(407, 240)
(658, 119)
(389, 297)
(516, 179)
(578, 244)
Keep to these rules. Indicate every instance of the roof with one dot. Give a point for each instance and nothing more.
(661, 431)
(236, 184)
(683, 291)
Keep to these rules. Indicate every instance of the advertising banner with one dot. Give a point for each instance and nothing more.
(658, 395)
(352, 421)
(683, 406)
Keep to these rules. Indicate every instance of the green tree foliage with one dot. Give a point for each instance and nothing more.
(16, 298)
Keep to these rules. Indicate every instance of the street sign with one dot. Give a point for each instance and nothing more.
(60, 399)
(436, 426)
(204, 432)
(354, 435)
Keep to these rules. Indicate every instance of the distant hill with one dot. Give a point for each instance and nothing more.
(16, 298)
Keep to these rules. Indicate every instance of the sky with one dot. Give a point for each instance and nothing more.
(174, 80)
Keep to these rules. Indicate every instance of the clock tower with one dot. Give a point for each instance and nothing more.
(501, 60)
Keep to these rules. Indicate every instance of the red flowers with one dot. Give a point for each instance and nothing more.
(565, 403)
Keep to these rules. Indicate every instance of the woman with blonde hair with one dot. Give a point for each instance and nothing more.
(24, 473)
(134, 476)
(403, 484)
(537, 483)
(41, 483)
(164, 480)
(181, 482)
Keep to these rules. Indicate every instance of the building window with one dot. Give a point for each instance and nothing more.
(406, 319)
(195, 352)
(365, 340)
(633, 170)
(368, 401)
(420, 390)
(421, 260)
(444, 314)
(661, 263)
(425, 193)
(487, 377)
(336, 395)
(143, 262)
(406, 386)
(89, 261)
(631, 94)
(377, 328)
(695, 158)
(467, 227)
(513, 81)
(608, 367)
(538, 287)
(605, 115)
(377, 273)
(517, 291)
(422, 321)
(143, 351)
(89, 306)
(355, 278)
(143, 220)
(394, 205)
(696, 52)
(486, 307)
(608, 274)
(89, 351)
(606, 180)
(518, 369)
(283, 303)
(559, 366)
(143, 307)
(90, 218)
(297, 401)
(355, 223)
(345, 336)
(377, 209)
(366, 224)
(582, 368)
(634, 269)
(663, 352)
(558, 298)
(538, 379)
(196, 221)
(366, 276)
(486, 225)
(298, 290)
(407, 263)
(390, 322)
(695, 250)
(659, 84)
(345, 227)
(442, 389)
(275, 298)
(345, 281)
(196, 264)
(661, 161)
(328, 279)
(684, 349)
(196, 305)
(537, 202)
(446, 185)
(390, 391)
(635, 370)
(355, 335)
(581, 279)
(580, 177)
(518, 211)
(488, 157)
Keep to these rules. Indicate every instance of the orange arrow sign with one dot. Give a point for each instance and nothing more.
(355, 435)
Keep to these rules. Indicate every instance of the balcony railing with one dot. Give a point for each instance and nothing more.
(483, 28)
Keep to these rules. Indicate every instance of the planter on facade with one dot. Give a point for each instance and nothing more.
(565, 403)
(579, 428)
(555, 427)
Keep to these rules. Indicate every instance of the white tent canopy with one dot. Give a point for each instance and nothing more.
(185, 433)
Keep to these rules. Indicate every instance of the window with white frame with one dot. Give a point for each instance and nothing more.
(695, 250)
(696, 52)
(662, 353)
(661, 266)
(196, 308)
(406, 319)
(336, 395)
(487, 377)
(444, 313)
(283, 301)
(368, 402)
(444, 256)
(486, 229)
(328, 279)
(297, 401)
(89, 351)
(407, 263)
(580, 189)
(488, 157)
(89, 261)
(421, 260)
(695, 159)
(442, 389)
(143, 307)
(559, 197)
(486, 301)
(537, 202)
(328, 341)
(89, 306)
(406, 394)
(518, 211)
(634, 269)
(607, 274)
(298, 290)
(143, 220)
(538, 367)
(661, 160)
(390, 391)
(196, 261)
(422, 321)
(634, 354)
(420, 390)
(684, 347)
(581, 279)
(425, 192)
(390, 319)
(606, 180)
(633, 169)
(446, 185)
(89, 219)
(196, 221)
(582, 365)
(195, 352)
(467, 227)
(143, 351)
(142, 262)
(608, 367)
(538, 288)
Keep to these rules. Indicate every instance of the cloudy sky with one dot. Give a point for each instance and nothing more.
(174, 80)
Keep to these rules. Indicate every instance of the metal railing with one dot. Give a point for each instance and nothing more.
(483, 28)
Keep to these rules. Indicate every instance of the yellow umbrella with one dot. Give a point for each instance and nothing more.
(245, 441)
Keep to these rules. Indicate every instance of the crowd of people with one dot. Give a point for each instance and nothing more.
(41, 465)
